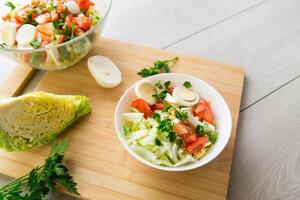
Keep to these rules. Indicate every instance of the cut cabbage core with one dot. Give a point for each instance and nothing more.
(35, 119)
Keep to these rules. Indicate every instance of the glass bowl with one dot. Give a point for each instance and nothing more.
(64, 55)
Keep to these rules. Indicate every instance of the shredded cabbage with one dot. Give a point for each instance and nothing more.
(142, 139)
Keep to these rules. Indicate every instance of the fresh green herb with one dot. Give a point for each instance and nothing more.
(127, 130)
(41, 180)
(200, 130)
(213, 136)
(41, 5)
(84, 12)
(35, 44)
(161, 95)
(156, 117)
(3, 45)
(10, 4)
(164, 89)
(166, 108)
(179, 142)
(51, 7)
(167, 84)
(159, 85)
(53, 38)
(165, 126)
(172, 137)
(182, 115)
(28, 18)
(158, 67)
(157, 142)
(94, 15)
(187, 84)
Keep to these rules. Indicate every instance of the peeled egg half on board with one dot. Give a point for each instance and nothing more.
(104, 71)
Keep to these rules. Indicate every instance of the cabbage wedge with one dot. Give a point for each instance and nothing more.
(34, 119)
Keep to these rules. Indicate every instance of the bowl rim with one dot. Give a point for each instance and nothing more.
(16, 50)
(165, 168)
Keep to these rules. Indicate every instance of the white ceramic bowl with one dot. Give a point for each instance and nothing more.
(219, 107)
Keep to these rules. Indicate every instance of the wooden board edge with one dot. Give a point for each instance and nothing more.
(231, 67)
(16, 81)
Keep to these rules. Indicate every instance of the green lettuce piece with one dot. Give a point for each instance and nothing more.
(35, 119)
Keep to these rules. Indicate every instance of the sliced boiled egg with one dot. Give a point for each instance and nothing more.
(73, 7)
(145, 90)
(104, 71)
(133, 117)
(8, 33)
(26, 34)
(185, 96)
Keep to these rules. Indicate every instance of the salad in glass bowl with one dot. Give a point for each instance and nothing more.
(51, 34)
(168, 124)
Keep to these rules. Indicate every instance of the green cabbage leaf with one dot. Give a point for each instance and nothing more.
(36, 118)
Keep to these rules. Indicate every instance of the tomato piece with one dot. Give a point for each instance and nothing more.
(6, 17)
(45, 38)
(68, 19)
(181, 129)
(158, 106)
(84, 4)
(60, 8)
(198, 144)
(170, 91)
(45, 29)
(190, 139)
(204, 112)
(143, 107)
(83, 22)
(20, 15)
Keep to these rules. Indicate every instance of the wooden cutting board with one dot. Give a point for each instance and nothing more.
(101, 166)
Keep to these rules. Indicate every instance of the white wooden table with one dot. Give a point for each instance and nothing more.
(263, 37)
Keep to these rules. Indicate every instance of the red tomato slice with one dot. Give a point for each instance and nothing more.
(68, 19)
(181, 129)
(84, 23)
(45, 38)
(45, 29)
(60, 8)
(143, 107)
(198, 144)
(158, 106)
(20, 16)
(204, 112)
(84, 4)
(190, 139)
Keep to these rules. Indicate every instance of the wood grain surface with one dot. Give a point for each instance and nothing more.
(158, 23)
(99, 163)
(267, 163)
(16, 81)
(264, 41)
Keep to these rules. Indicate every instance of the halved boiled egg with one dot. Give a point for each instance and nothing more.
(8, 33)
(185, 96)
(145, 90)
(105, 72)
(26, 34)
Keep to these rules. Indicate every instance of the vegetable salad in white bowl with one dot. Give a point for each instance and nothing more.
(173, 122)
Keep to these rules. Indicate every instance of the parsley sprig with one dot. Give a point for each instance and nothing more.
(10, 4)
(41, 180)
(164, 89)
(160, 66)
